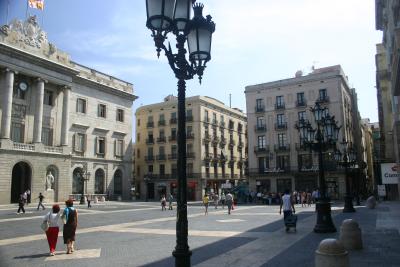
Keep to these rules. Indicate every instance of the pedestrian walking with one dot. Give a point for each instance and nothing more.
(88, 202)
(216, 200)
(28, 196)
(223, 198)
(52, 218)
(288, 206)
(229, 201)
(70, 218)
(205, 203)
(309, 198)
(40, 204)
(21, 204)
(170, 200)
(163, 203)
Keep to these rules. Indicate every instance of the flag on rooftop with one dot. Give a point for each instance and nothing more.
(38, 4)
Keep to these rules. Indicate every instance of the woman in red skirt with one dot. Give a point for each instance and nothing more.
(52, 233)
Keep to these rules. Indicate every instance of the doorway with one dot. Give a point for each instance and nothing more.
(21, 180)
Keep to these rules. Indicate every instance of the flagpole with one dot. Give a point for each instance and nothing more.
(8, 9)
(27, 6)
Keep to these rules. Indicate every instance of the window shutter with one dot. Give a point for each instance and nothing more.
(96, 140)
(51, 137)
(115, 148)
(122, 147)
(84, 146)
(105, 146)
(75, 141)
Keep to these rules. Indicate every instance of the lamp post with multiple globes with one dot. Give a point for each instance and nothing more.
(174, 16)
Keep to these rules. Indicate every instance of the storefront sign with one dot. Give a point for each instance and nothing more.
(390, 173)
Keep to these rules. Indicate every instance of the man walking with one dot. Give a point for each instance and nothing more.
(223, 198)
(40, 204)
(216, 199)
(229, 201)
(21, 204)
(287, 204)
(170, 200)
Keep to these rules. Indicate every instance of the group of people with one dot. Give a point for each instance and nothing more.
(25, 199)
(164, 202)
(69, 216)
(215, 198)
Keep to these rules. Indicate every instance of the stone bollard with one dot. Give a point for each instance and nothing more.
(331, 253)
(350, 235)
(102, 199)
(96, 199)
(371, 202)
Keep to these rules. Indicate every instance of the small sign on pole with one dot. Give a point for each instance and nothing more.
(381, 190)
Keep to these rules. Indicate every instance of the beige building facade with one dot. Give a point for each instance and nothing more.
(65, 128)
(215, 152)
(277, 160)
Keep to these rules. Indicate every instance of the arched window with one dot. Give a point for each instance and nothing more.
(77, 181)
(118, 182)
(99, 182)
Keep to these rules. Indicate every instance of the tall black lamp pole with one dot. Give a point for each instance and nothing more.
(163, 17)
(320, 139)
(348, 160)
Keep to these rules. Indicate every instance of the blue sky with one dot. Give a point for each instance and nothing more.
(255, 41)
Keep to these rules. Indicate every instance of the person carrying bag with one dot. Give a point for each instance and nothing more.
(50, 226)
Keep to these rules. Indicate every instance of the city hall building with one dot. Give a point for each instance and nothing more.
(65, 128)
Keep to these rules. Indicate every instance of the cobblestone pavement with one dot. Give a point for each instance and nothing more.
(140, 234)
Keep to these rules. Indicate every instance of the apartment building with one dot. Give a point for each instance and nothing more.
(387, 20)
(65, 128)
(277, 159)
(215, 152)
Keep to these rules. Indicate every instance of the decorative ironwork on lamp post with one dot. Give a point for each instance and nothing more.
(320, 139)
(349, 159)
(163, 17)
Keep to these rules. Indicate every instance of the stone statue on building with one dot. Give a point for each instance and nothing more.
(49, 181)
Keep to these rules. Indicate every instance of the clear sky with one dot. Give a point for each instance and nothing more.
(255, 41)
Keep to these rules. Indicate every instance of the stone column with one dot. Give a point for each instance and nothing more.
(65, 116)
(7, 104)
(37, 127)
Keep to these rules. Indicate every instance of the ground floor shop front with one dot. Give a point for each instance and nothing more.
(335, 183)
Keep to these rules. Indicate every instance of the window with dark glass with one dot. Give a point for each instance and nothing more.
(259, 104)
(120, 115)
(101, 145)
(47, 136)
(261, 141)
(280, 101)
(302, 115)
(81, 105)
(300, 98)
(102, 111)
(280, 119)
(281, 140)
(162, 169)
(48, 98)
(323, 94)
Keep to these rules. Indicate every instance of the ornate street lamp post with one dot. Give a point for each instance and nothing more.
(321, 139)
(85, 175)
(348, 161)
(163, 17)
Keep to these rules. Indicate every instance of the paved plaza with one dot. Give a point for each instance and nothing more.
(140, 234)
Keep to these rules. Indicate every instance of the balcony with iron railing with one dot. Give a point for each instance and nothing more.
(261, 149)
(240, 144)
(207, 157)
(260, 108)
(282, 148)
(281, 126)
(150, 124)
(214, 122)
(206, 139)
(323, 99)
(173, 156)
(189, 118)
(150, 141)
(161, 139)
(301, 147)
(161, 157)
(149, 158)
(301, 103)
(260, 128)
(222, 124)
(190, 135)
(190, 155)
(215, 140)
(222, 141)
(161, 123)
(172, 138)
(173, 120)
(279, 106)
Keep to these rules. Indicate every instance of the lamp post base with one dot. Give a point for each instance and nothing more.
(82, 201)
(348, 204)
(324, 219)
(182, 257)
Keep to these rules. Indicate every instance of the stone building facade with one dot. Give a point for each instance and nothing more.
(216, 147)
(387, 19)
(277, 160)
(65, 128)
